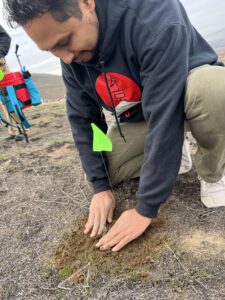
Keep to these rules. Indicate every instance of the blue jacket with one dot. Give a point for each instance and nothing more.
(146, 49)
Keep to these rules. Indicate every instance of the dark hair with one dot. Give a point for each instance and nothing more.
(21, 12)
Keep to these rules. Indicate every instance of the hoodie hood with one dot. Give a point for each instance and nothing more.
(109, 25)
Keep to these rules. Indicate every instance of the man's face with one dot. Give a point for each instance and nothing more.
(72, 40)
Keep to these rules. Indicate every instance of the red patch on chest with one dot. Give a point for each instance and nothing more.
(122, 88)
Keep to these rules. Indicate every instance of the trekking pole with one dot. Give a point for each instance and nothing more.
(23, 131)
(18, 56)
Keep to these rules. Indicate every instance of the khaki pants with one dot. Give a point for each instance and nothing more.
(11, 130)
(205, 118)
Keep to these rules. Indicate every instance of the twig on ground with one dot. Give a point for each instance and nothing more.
(188, 273)
(48, 289)
(40, 208)
(180, 263)
(88, 275)
(36, 172)
(68, 196)
(190, 208)
(30, 169)
(217, 222)
(48, 202)
(7, 202)
(73, 278)
(82, 192)
(208, 289)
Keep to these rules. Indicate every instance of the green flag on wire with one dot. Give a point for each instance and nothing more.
(101, 142)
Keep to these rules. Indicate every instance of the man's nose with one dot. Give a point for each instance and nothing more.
(65, 55)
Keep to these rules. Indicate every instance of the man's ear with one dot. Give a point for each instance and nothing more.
(89, 3)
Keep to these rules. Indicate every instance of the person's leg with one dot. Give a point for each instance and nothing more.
(11, 130)
(205, 114)
(126, 159)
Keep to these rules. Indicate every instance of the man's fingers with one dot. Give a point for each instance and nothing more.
(113, 242)
(113, 232)
(102, 224)
(96, 225)
(89, 223)
(122, 243)
(110, 215)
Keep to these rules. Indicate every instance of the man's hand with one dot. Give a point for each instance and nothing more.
(101, 210)
(128, 227)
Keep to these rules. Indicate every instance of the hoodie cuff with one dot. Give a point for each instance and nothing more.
(146, 210)
(101, 185)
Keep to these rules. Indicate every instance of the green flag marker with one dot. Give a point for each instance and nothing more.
(1, 74)
(101, 142)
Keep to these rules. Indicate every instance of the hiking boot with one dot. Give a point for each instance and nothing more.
(186, 162)
(19, 138)
(213, 194)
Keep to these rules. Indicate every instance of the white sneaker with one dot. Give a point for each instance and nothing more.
(213, 194)
(186, 162)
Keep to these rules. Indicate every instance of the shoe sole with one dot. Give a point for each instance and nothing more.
(211, 203)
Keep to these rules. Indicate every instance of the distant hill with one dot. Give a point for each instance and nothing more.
(217, 40)
(51, 87)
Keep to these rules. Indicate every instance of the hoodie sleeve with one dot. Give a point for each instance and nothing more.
(82, 110)
(164, 71)
(5, 42)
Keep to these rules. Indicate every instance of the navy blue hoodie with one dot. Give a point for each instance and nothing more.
(146, 49)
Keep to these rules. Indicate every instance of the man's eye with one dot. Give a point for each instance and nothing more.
(64, 43)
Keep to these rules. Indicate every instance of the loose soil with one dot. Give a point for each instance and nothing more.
(44, 202)
(77, 249)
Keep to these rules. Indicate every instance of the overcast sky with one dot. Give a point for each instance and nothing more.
(36, 60)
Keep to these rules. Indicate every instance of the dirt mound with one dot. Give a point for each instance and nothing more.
(77, 250)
